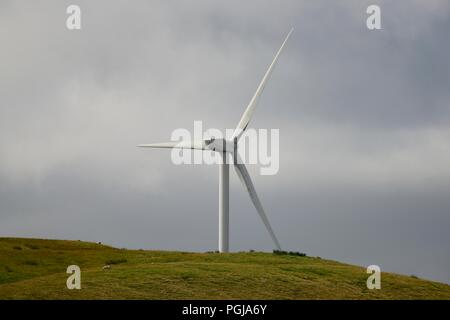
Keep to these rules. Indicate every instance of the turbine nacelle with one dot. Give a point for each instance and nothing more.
(220, 145)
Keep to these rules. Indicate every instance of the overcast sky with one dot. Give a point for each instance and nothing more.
(364, 120)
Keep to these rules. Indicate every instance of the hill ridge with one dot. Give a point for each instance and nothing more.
(36, 269)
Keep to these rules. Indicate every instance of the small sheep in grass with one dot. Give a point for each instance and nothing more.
(106, 267)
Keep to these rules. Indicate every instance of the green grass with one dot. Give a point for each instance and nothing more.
(38, 271)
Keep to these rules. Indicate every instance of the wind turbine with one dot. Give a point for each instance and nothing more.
(224, 146)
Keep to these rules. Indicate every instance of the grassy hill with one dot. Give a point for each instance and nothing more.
(36, 269)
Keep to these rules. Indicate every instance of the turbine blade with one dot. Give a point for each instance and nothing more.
(244, 176)
(246, 117)
(199, 145)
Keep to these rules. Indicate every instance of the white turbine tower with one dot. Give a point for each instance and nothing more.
(224, 146)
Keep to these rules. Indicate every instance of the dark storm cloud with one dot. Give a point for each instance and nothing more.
(363, 117)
